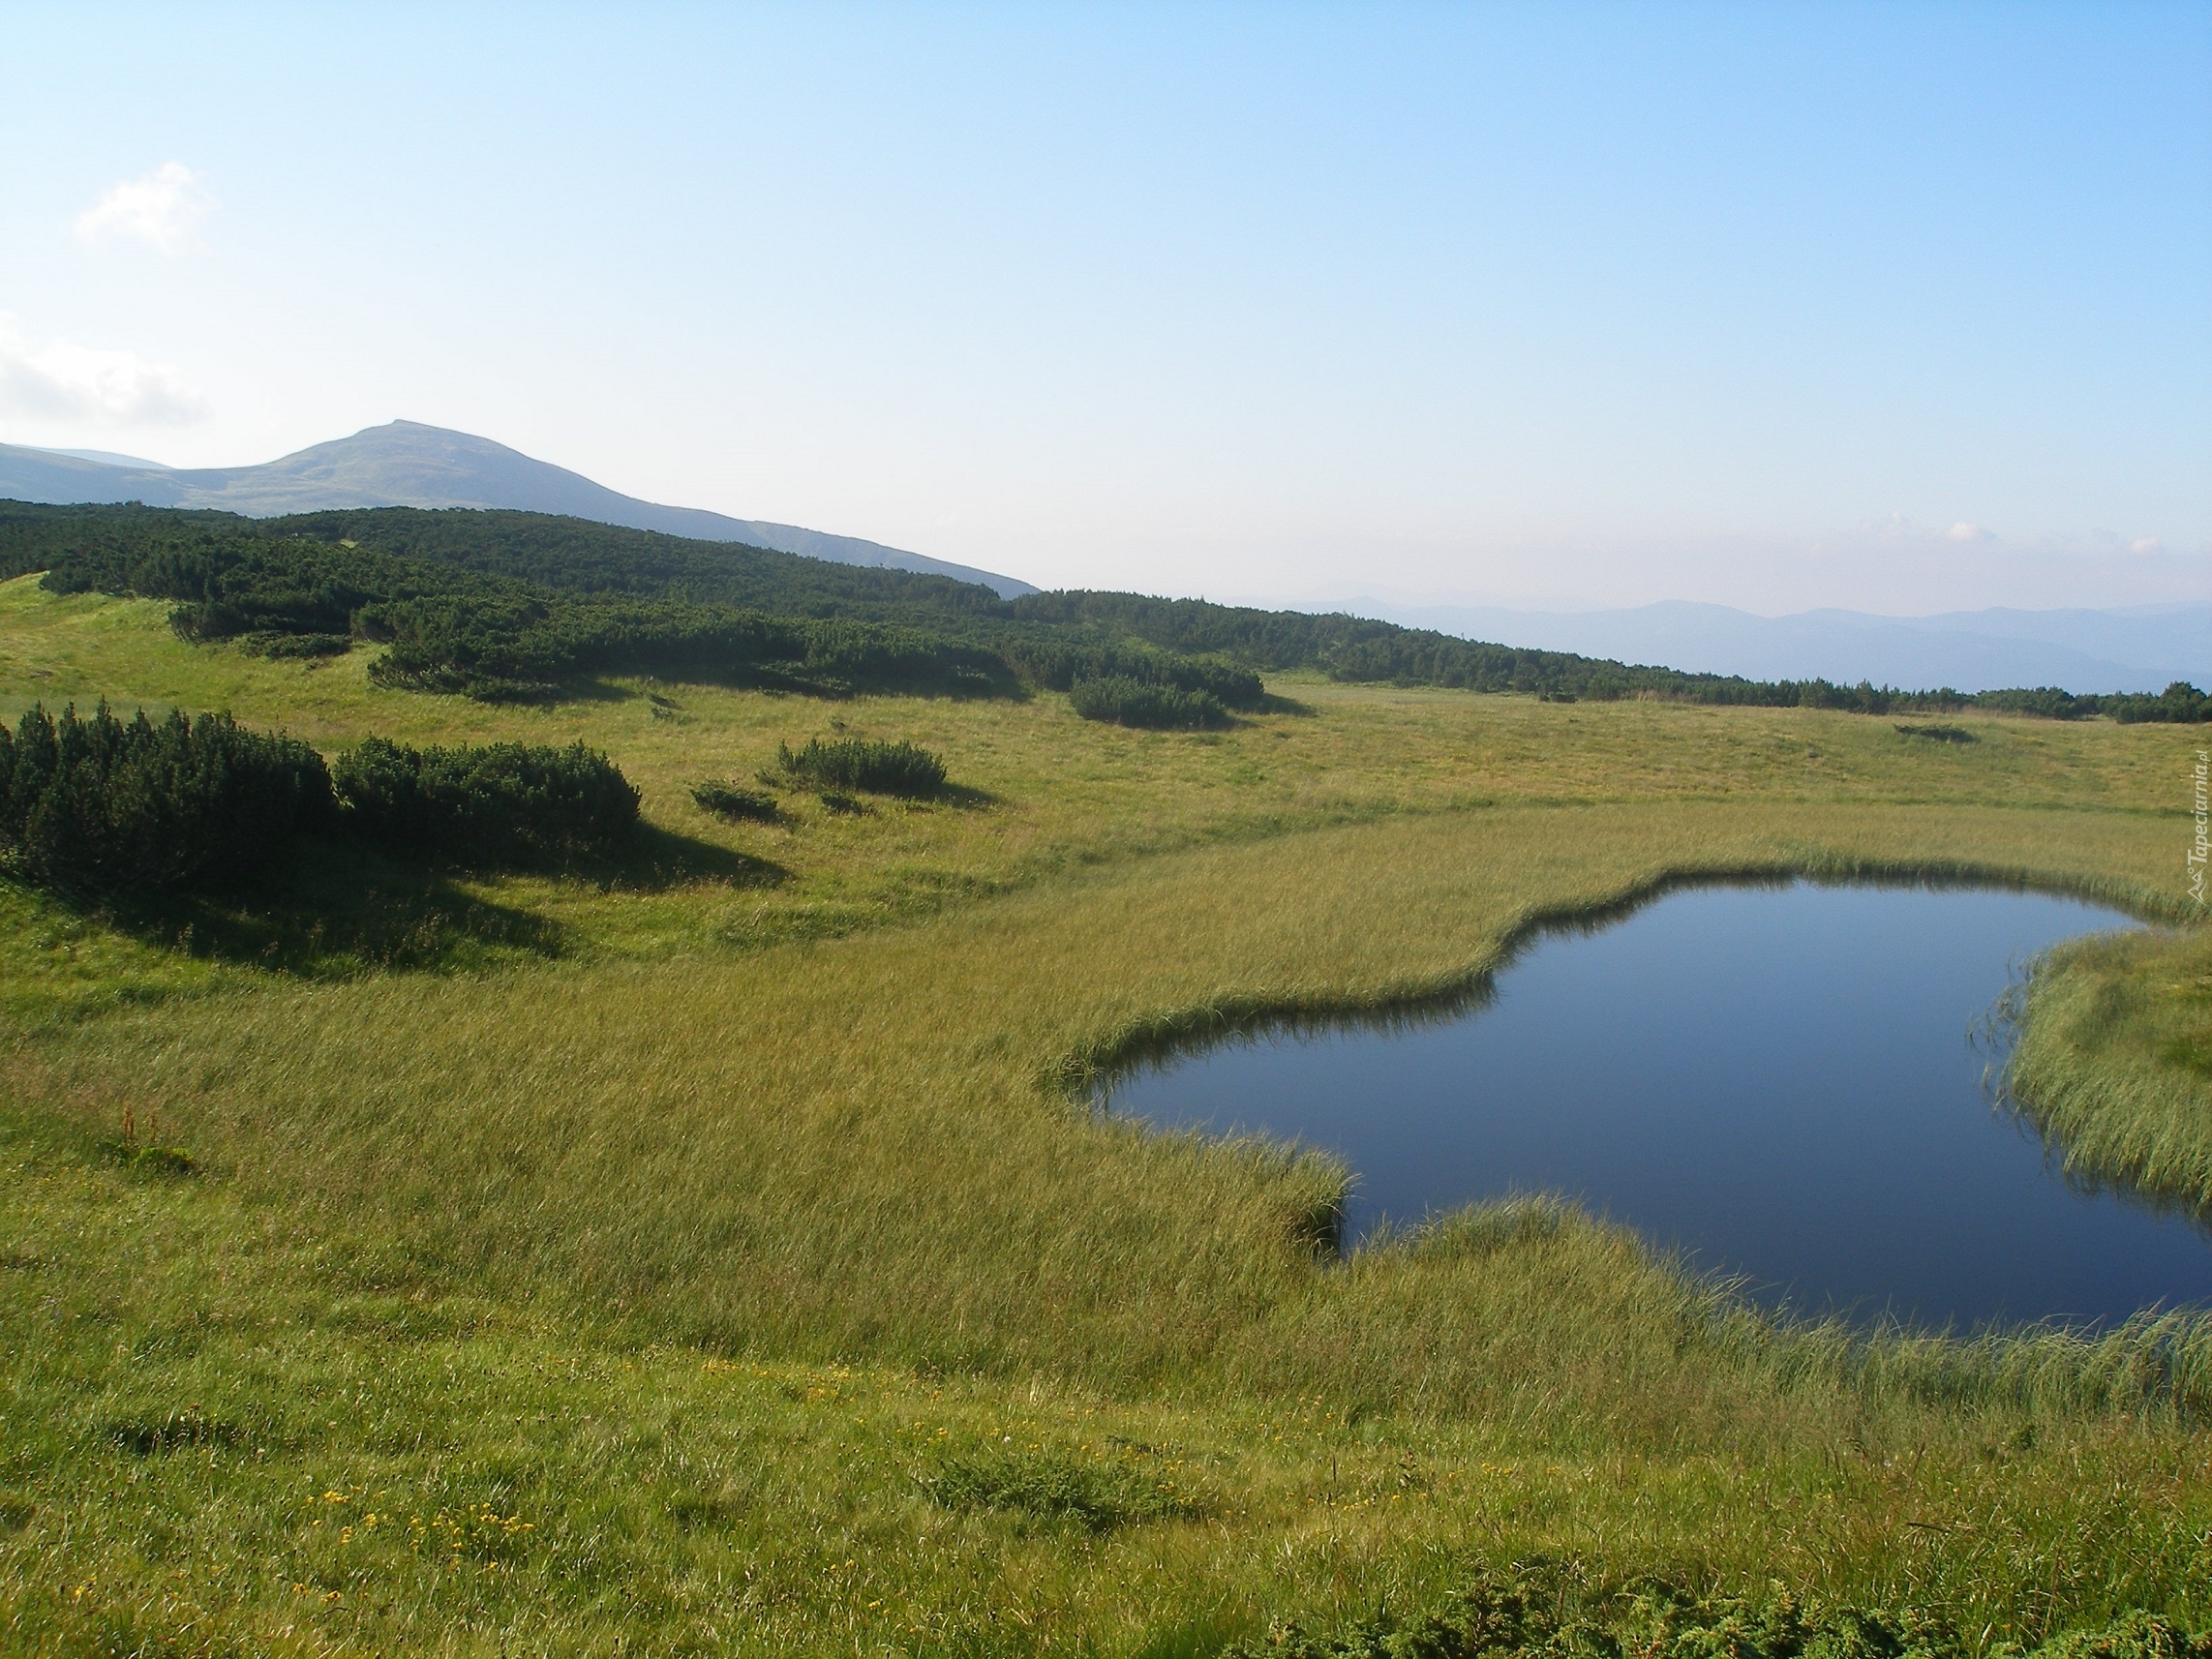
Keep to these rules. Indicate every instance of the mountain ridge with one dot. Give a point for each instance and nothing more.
(405, 463)
(2141, 648)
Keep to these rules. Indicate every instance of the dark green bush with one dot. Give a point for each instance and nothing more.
(858, 762)
(1058, 665)
(727, 800)
(2180, 703)
(1128, 702)
(497, 800)
(2048, 702)
(290, 647)
(112, 805)
(498, 647)
(1543, 1611)
(106, 806)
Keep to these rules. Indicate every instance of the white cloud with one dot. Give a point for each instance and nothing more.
(162, 210)
(1962, 531)
(59, 381)
(2146, 544)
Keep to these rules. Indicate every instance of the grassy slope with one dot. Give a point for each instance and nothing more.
(692, 1238)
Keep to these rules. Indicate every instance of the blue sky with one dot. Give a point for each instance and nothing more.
(1901, 307)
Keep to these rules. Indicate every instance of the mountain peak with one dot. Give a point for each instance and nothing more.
(407, 464)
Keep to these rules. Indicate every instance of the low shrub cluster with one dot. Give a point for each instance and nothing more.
(509, 646)
(1539, 1611)
(2180, 703)
(121, 805)
(96, 804)
(859, 763)
(497, 800)
(1126, 702)
(1061, 665)
(728, 801)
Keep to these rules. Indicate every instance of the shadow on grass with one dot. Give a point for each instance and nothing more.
(963, 796)
(762, 677)
(1273, 704)
(657, 860)
(329, 909)
(960, 797)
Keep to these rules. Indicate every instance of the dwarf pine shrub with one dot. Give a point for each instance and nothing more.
(1060, 664)
(1124, 702)
(115, 805)
(493, 801)
(1539, 1609)
(728, 801)
(859, 763)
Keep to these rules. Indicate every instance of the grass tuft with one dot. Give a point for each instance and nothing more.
(174, 1430)
(173, 1163)
(2108, 1036)
(1050, 1484)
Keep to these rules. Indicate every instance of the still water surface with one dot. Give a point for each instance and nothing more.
(1779, 1081)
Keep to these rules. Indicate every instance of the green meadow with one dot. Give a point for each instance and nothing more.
(712, 1250)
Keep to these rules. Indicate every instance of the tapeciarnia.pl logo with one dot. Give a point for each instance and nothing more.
(2201, 778)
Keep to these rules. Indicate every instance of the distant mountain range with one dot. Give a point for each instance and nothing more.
(407, 465)
(2142, 649)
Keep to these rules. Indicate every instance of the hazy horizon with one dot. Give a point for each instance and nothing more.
(1895, 311)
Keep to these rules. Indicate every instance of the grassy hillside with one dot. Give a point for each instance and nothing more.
(525, 606)
(539, 547)
(705, 1252)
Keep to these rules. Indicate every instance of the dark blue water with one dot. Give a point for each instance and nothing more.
(1779, 1081)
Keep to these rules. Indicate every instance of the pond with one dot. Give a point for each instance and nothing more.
(1782, 1082)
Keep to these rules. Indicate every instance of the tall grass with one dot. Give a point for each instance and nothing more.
(850, 1147)
(2114, 1060)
